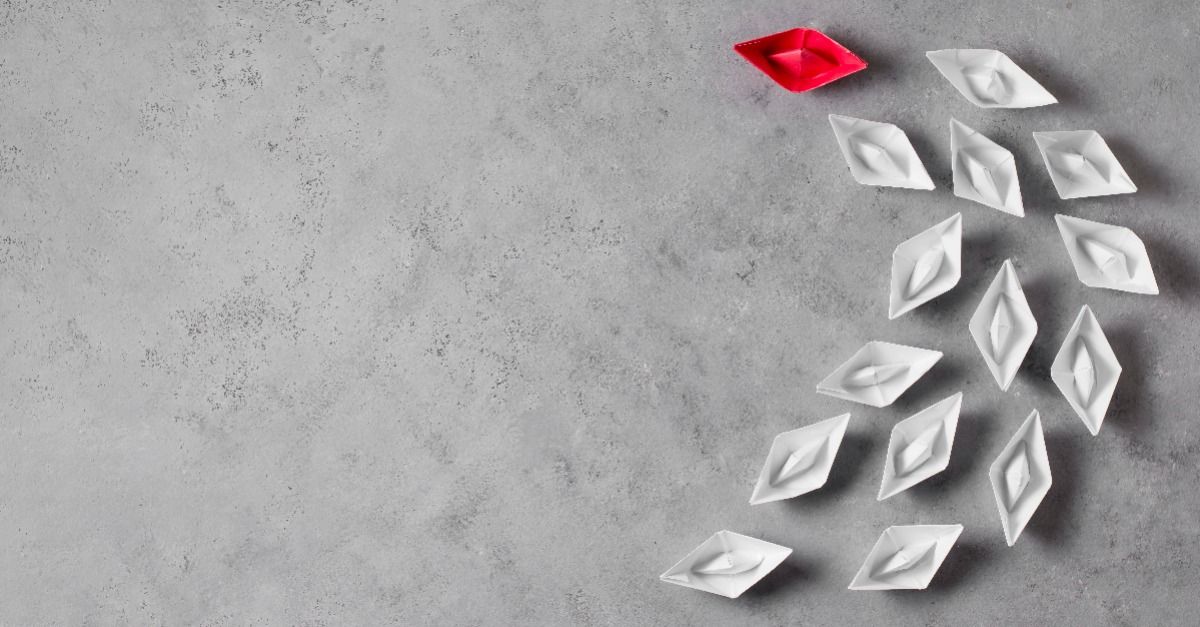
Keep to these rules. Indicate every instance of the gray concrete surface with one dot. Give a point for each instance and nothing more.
(365, 312)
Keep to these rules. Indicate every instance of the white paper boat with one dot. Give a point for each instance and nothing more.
(906, 557)
(920, 446)
(1021, 477)
(879, 153)
(989, 79)
(1107, 256)
(1082, 165)
(926, 266)
(1086, 370)
(984, 171)
(799, 460)
(727, 564)
(878, 373)
(1003, 326)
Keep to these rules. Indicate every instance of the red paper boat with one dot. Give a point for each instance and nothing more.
(800, 59)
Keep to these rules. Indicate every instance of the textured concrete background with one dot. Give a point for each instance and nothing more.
(486, 312)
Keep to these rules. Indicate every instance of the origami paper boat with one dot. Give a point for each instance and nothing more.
(906, 557)
(1107, 256)
(984, 171)
(1086, 370)
(726, 564)
(989, 79)
(926, 266)
(1020, 477)
(878, 373)
(879, 153)
(800, 59)
(1003, 326)
(920, 446)
(1082, 165)
(799, 460)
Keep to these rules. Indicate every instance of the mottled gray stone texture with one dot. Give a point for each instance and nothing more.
(485, 313)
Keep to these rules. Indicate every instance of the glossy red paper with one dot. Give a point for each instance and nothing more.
(800, 59)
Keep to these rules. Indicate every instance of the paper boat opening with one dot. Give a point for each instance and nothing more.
(1016, 474)
(906, 558)
(803, 62)
(730, 563)
(1084, 373)
(800, 460)
(988, 84)
(917, 452)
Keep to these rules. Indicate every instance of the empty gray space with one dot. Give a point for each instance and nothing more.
(365, 312)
